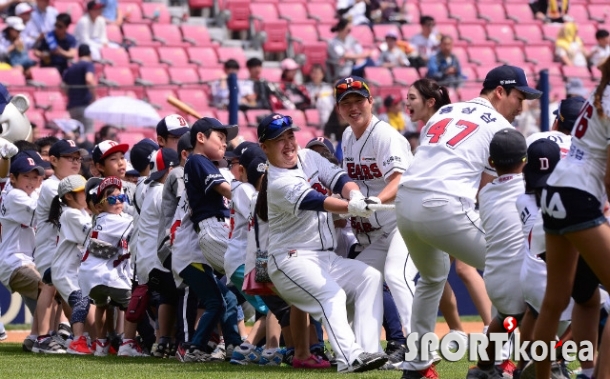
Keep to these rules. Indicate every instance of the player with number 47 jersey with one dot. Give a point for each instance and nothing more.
(435, 203)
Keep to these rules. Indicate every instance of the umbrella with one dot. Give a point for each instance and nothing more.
(123, 111)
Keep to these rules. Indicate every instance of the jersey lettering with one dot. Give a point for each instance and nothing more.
(554, 207)
(583, 121)
(232, 222)
(437, 130)
(363, 172)
(525, 215)
(320, 188)
(360, 227)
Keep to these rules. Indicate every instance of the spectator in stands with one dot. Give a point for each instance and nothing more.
(575, 87)
(444, 67)
(220, 91)
(91, 29)
(345, 55)
(354, 10)
(107, 133)
(393, 55)
(111, 12)
(7, 7)
(24, 11)
(387, 11)
(426, 42)
(296, 93)
(13, 46)
(42, 20)
(550, 10)
(320, 92)
(395, 114)
(257, 91)
(600, 52)
(79, 84)
(57, 47)
(569, 49)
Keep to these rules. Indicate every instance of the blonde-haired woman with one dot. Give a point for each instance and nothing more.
(569, 48)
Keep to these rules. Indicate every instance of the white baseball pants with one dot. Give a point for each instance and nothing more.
(324, 284)
(435, 226)
(389, 254)
(213, 241)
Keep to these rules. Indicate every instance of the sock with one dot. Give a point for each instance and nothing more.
(588, 372)
(127, 340)
(102, 340)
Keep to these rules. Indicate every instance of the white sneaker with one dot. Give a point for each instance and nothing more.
(219, 354)
(453, 345)
(271, 357)
(100, 349)
(130, 348)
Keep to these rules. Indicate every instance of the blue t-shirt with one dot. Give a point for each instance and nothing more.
(75, 76)
(110, 9)
(57, 60)
(200, 178)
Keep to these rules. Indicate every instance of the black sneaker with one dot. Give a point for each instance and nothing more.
(65, 331)
(367, 361)
(48, 345)
(396, 355)
(173, 347)
(288, 357)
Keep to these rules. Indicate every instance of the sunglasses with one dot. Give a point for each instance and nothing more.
(357, 84)
(112, 200)
(276, 125)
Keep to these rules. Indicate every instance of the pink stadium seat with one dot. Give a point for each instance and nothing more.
(323, 12)
(153, 76)
(313, 117)
(304, 136)
(530, 33)
(45, 77)
(144, 56)
(586, 32)
(464, 12)
(185, 77)
(439, 12)
(168, 35)
(122, 92)
(262, 12)
(12, 77)
(240, 14)
(413, 12)
(468, 93)
(381, 30)
(114, 57)
(56, 115)
(302, 33)
(203, 56)
(404, 76)
(298, 117)
(207, 75)
(200, 4)
(474, 34)
(539, 55)
(36, 117)
(196, 98)
(461, 54)
(379, 76)
(272, 74)
(174, 56)
(223, 115)
(254, 115)
(576, 72)
(519, 12)
(324, 33)
(248, 134)
(579, 13)
(119, 76)
(277, 36)
(114, 33)
(482, 56)
(492, 12)
(50, 100)
(237, 53)
(409, 30)
(512, 55)
(293, 12)
(139, 35)
(158, 97)
(382, 92)
(451, 30)
(73, 8)
(503, 35)
(363, 34)
(316, 53)
(550, 31)
(156, 12)
(132, 12)
(599, 12)
(131, 138)
(469, 72)
(196, 35)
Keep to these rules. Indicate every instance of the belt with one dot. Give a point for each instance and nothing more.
(218, 218)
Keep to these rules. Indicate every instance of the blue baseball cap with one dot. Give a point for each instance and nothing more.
(5, 98)
(542, 157)
(140, 154)
(256, 168)
(66, 147)
(273, 126)
(209, 123)
(35, 155)
(568, 111)
(321, 141)
(510, 77)
(23, 162)
(247, 151)
(173, 124)
(351, 84)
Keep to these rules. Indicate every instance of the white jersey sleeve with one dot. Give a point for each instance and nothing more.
(454, 149)
(46, 232)
(241, 199)
(150, 215)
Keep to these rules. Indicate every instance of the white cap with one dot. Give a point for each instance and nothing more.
(22, 8)
(14, 22)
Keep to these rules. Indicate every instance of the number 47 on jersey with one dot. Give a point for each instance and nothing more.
(438, 129)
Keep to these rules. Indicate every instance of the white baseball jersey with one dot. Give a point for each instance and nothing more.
(241, 198)
(563, 140)
(16, 232)
(454, 149)
(505, 249)
(75, 227)
(150, 216)
(46, 232)
(288, 229)
(369, 161)
(585, 165)
(263, 236)
(114, 272)
(137, 201)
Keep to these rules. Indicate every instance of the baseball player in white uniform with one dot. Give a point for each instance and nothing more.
(574, 223)
(436, 197)
(302, 263)
(375, 156)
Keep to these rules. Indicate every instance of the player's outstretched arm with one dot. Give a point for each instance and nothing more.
(224, 189)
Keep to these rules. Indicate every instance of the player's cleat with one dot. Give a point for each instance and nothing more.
(271, 357)
(3, 335)
(476, 372)
(48, 345)
(428, 373)
(64, 331)
(28, 344)
(219, 354)
(396, 355)
(245, 354)
(130, 348)
(507, 368)
(191, 354)
(173, 347)
(79, 346)
(313, 362)
(100, 348)
(559, 370)
(453, 345)
(367, 361)
(161, 349)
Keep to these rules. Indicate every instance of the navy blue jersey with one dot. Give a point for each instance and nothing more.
(200, 178)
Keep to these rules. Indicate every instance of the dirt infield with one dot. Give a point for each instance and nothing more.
(441, 329)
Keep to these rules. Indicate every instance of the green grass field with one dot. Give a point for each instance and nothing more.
(14, 363)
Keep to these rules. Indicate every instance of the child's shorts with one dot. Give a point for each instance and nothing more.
(26, 281)
(104, 295)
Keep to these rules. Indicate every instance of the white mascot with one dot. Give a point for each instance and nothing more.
(14, 126)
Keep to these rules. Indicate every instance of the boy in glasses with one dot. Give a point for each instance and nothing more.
(375, 155)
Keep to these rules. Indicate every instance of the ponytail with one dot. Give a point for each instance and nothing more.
(262, 208)
(599, 92)
(55, 211)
